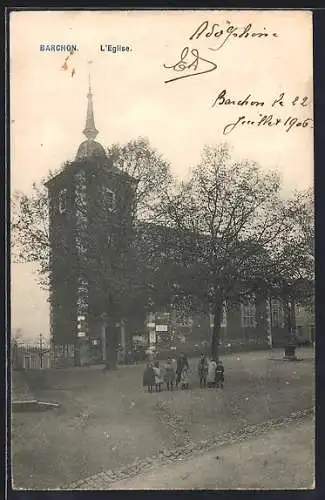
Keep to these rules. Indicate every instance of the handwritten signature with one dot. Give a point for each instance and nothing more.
(192, 63)
(227, 32)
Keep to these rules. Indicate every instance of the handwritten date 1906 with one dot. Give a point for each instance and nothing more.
(191, 63)
(269, 121)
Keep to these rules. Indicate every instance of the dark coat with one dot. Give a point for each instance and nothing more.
(148, 377)
(220, 377)
(182, 362)
(169, 373)
(203, 367)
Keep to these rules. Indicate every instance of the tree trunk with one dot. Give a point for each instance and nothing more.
(215, 341)
(76, 354)
(293, 319)
(287, 319)
(111, 337)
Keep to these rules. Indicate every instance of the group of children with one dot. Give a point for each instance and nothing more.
(175, 374)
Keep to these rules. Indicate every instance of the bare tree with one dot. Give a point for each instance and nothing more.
(152, 172)
(30, 214)
(29, 229)
(230, 219)
(289, 272)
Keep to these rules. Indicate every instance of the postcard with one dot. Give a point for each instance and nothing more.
(162, 249)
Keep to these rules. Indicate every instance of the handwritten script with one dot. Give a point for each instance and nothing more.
(283, 103)
(284, 111)
(228, 32)
(191, 63)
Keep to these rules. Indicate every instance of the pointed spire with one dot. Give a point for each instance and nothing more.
(90, 130)
(90, 147)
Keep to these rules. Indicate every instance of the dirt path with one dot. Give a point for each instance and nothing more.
(106, 421)
(281, 459)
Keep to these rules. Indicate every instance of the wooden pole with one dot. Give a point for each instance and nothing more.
(41, 349)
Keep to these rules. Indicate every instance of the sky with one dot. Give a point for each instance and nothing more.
(48, 104)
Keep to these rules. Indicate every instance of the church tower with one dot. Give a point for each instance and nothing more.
(91, 208)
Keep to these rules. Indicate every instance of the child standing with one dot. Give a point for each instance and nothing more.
(203, 370)
(220, 377)
(148, 377)
(211, 378)
(158, 377)
(185, 378)
(169, 375)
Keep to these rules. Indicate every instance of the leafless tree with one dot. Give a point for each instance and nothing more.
(232, 226)
(30, 236)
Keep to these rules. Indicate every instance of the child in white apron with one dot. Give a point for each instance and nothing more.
(211, 378)
(185, 378)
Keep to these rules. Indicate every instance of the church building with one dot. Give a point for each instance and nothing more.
(91, 227)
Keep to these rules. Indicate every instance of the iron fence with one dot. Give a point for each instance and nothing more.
(28, 357)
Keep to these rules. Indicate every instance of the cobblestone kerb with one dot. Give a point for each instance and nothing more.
(105, 480)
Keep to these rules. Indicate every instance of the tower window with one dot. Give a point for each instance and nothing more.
(109, 199)
(109, 240)
(62, 201)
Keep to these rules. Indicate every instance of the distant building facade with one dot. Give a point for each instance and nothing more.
(255, 323)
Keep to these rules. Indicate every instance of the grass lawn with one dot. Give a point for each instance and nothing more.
(106, 420)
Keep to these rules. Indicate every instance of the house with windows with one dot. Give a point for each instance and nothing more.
(257, 322)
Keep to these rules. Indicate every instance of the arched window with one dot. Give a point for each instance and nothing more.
(248, 313)
(277, 314)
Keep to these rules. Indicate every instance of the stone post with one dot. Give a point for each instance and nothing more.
(103, 338)
(123, 340)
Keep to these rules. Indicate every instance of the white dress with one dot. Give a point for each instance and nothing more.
(185, 377)
(158, 377)
(212, 365)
